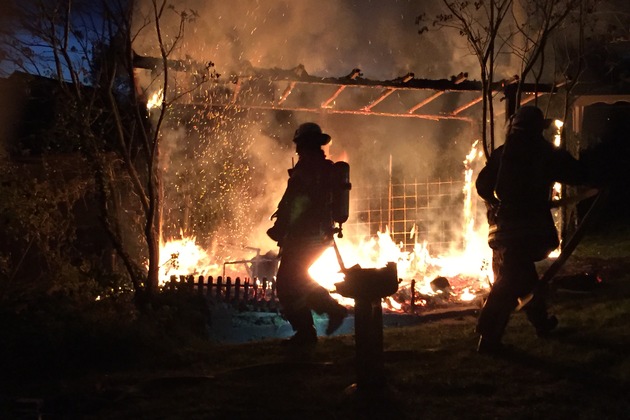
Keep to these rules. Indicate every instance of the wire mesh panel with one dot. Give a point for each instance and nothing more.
(413, 212)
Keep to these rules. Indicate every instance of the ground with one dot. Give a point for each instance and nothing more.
(431, 368)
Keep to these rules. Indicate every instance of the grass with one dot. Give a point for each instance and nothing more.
(431, 369)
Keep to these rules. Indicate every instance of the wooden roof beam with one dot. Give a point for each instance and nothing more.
(286, 93)
(389, 90)
(353, 75)
(326, 103)
(426, 101)
(468, 105)
(432, 117)
(237, 90)
(384, 94)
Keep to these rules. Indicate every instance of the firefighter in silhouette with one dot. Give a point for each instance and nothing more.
(304, 229)
(516, 184)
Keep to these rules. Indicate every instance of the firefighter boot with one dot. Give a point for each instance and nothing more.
(545, 328)
(335, 318)
(536, 311)
(303, 338)
(322, 303)
(493, 320)
(301, 320)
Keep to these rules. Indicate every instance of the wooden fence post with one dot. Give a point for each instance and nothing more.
(219, 292)
(209, 289)
(246, 290)
(264, 288)
(228, 289)
(200, 285)
(237, 290)
(255, 289)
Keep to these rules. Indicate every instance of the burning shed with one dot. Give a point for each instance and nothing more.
(412, 200)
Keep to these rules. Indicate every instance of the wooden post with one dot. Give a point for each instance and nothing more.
(218, 293)
(228, 289)
(237, 290)
(246, 285)
(200, 286)
(255, 289)
(209, 289)
(264, 288)
(368, 325)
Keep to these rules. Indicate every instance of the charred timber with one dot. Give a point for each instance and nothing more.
(155, 63)
(354, 78)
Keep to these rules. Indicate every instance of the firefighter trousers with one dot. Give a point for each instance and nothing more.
(298, 292)
(515, 276)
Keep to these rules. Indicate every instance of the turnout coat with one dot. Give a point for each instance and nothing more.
(516, 185)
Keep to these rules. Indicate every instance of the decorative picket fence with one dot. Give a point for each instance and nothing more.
(246, 294)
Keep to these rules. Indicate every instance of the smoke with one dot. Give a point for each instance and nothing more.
(379, 37)
(227, 169)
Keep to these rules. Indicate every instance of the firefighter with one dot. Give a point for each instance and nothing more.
(516, 185)
(304, 229)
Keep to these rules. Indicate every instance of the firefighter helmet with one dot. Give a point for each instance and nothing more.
(529, 118)
(310, 133)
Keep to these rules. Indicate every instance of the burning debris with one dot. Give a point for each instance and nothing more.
(441, 285)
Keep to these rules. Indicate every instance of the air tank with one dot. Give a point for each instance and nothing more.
(341, 192)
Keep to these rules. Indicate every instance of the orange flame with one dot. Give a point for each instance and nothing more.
(183, 257)
(155, 101)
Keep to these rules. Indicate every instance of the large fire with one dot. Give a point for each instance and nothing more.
(467, 269)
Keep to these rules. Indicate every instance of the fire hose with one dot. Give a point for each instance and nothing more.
(569, 247)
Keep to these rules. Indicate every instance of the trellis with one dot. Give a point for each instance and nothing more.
(412, 212)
